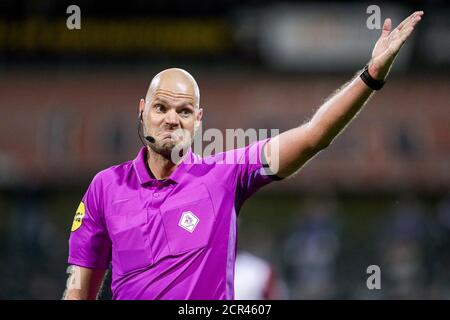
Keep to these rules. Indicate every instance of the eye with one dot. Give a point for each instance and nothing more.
(160, 108)
(185, 112)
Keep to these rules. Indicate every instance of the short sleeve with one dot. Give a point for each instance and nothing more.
(253, 171)
(89, 242)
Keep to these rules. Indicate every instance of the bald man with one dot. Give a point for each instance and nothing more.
(167, 225)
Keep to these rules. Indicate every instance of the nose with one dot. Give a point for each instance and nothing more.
(172, 118)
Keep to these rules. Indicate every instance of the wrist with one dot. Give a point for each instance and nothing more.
(375, 72)
(370, 80)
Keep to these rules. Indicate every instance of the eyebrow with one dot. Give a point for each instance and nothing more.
(165, 101)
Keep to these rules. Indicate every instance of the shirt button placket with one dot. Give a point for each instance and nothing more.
(157, 197)
(160, 194)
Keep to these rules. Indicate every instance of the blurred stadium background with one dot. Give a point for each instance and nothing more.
(379, 195)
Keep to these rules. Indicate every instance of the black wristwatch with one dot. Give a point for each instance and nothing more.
(371, 82)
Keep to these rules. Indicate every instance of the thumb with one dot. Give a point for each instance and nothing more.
(387, 25)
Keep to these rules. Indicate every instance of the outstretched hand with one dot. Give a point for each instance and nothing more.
(389, 44)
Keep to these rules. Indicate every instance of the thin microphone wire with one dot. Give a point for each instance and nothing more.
(139, 130)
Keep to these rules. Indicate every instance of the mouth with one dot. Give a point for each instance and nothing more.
(170, 135)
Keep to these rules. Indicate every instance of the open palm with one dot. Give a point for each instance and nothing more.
(389, 44)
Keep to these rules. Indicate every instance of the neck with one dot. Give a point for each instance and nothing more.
(160, 167)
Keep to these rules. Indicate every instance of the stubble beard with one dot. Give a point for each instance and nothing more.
(163, 149)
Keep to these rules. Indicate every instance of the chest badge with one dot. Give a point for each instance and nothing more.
(188, 221)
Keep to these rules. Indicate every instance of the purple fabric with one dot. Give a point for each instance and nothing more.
(170, 239)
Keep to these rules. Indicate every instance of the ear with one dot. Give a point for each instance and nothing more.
(141, 108)
(198, 119)
(199, 114)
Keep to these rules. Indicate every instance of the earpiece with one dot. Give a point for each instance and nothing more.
(150, 139)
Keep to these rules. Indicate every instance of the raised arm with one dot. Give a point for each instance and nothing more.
(289, 151)
(83, 283)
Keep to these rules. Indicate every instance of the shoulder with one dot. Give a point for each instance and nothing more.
(235, 155)
(112, 174)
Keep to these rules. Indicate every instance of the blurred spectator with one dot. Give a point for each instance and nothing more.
(440, 256)
(255, 279)
(311, 251)
(402, 242)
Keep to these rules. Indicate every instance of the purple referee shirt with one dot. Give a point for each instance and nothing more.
(168, 239)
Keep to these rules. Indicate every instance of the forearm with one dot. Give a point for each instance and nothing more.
(76, 294)
(83, 283)
(289, 151)
(337, 112)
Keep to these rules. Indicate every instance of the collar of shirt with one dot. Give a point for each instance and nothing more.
(143, 172)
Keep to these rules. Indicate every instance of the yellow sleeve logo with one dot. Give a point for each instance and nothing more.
(78, 220)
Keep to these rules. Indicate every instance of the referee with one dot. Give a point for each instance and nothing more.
(168, 228)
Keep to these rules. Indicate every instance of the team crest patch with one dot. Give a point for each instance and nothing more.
(78, 220)
(188, 221)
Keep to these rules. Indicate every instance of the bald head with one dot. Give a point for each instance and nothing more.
(172, 103)
(174, 83)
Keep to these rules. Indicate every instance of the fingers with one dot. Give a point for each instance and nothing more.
(414, 17)
(399, 35)
(405, 28)
(400, 26)
(398, 43)
(410, 21)
(387, 25)
(410, 24)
